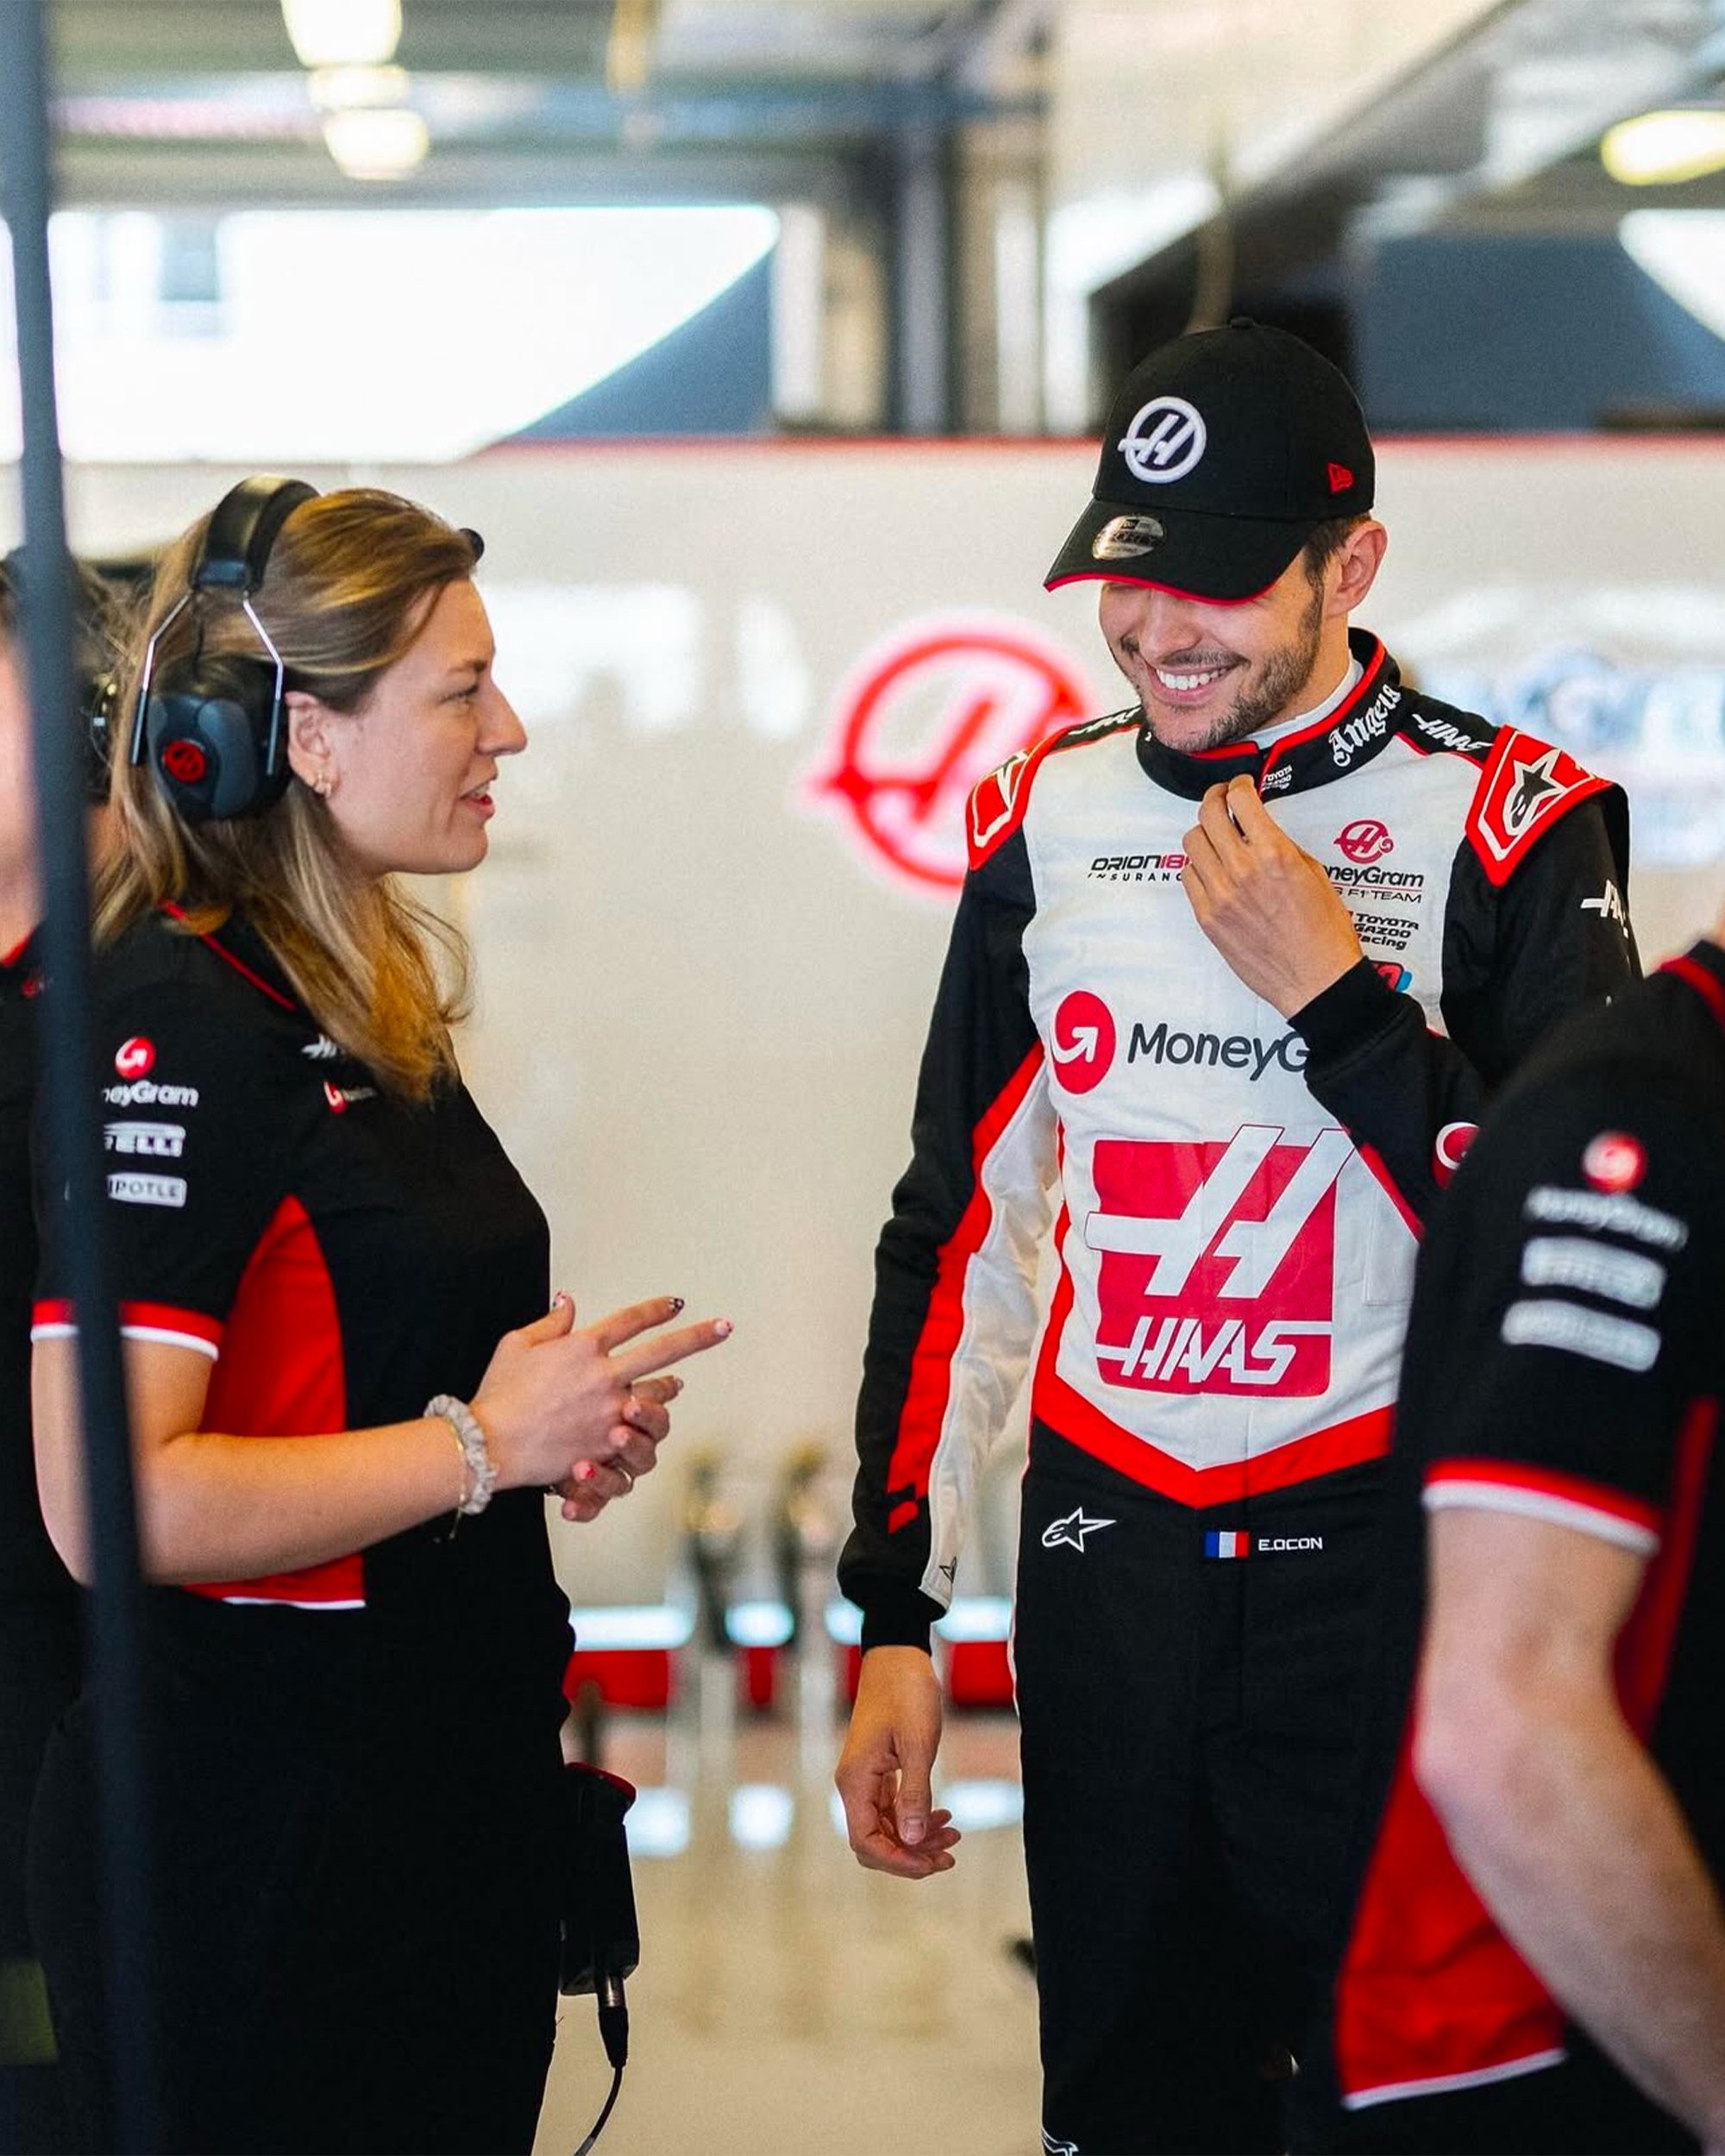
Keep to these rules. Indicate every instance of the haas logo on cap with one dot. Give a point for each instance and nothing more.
(1164, 441)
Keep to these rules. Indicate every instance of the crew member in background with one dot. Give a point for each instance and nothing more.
(41, 1647)
(1556, 1514)
(1237, 968)
(350, 1384)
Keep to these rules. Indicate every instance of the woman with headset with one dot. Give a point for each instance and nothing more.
(347, 1391)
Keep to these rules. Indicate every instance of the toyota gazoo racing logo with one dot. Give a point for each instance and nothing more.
(135, 1058)
(1082, 1047)
(1164, 441)
(926, 716)
(1217, 1261)
(1365, 839)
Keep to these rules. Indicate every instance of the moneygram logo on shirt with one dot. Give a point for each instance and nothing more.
(1217, 1268)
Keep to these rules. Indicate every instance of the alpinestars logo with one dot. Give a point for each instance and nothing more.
(1608, 906)
(1070, 1532)
(1217, 1269)
(1534, 781)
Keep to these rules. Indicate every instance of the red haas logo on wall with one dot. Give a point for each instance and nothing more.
(925, 717)
(1366, 840)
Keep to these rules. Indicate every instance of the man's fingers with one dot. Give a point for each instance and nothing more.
(670, 1347)
(624, 1325)
(663, 1390)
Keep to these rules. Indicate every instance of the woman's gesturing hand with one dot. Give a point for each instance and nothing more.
(555, 1400)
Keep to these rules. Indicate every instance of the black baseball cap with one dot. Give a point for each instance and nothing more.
(1223, 450)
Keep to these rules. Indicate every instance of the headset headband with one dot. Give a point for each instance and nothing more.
(243, 527)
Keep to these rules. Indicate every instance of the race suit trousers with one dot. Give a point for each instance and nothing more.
(1190, 1698)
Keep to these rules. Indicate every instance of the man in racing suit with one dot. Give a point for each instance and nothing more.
(1233, 971)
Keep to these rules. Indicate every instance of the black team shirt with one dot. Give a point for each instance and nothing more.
(340, 1256)
(29, 1566)
(1565, 1363)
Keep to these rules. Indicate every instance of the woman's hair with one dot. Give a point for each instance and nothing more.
(350, 579)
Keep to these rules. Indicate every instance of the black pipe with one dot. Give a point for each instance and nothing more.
(68, 1092)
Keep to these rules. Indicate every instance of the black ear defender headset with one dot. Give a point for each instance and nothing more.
(213, 728)
(97, 685)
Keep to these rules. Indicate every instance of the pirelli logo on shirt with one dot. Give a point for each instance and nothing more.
(162, 1141)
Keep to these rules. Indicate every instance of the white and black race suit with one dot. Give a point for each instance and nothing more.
(1239, 1205)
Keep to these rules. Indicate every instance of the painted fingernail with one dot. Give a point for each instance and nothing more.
(584, 1472)
(676, 1305)
(676, 1387)
(560, 1300)
(723, 1328)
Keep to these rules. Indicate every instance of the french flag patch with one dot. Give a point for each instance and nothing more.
(1226, 1542)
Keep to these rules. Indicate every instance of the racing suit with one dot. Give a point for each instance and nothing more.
(1239, 1205)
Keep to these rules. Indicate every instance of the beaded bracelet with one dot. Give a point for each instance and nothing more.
(481, 1476)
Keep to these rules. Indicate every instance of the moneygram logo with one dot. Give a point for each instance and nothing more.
(135, 1058)
(1084, 1041)
(923, 718)
(1217, 1262)
(1365, 840)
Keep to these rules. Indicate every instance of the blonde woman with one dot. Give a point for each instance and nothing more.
(349, 1384)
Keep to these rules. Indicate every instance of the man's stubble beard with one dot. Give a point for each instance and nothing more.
(1261, 702)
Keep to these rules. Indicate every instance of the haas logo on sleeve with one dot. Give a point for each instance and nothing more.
(1218, 1262)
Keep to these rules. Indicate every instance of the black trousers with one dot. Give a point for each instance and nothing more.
(1190, 1732)
(41, 1669)
(355, 1931)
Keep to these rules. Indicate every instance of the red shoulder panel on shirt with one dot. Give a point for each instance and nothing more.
(1526, 786)
(997, 803)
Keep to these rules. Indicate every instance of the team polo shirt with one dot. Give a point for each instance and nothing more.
(29, 1566)
(337, 1254)
(1565, 1364)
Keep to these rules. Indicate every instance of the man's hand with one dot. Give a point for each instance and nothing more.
(885, 1770)
(1263, 902)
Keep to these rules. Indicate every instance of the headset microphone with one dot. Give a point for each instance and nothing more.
(213, 727)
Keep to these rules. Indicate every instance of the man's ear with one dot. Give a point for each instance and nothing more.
(1357, 561)
(310, 736)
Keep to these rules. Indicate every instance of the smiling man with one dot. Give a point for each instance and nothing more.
(1237, 968)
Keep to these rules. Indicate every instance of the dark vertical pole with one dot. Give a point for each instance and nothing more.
(67, 1095)
(924, 210)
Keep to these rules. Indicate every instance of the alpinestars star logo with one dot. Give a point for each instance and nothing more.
(1534, 780)
(1070, 1532)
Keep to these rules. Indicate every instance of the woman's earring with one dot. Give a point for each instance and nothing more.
(323, 785)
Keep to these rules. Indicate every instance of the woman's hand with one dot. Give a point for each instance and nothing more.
(554, 1398)
(592, 1487)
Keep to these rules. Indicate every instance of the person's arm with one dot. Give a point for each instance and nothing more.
(954, 1317)
(214, 1506)
(1516, 961)
(1553, 1808)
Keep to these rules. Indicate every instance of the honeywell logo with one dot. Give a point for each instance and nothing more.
(1228, 1051)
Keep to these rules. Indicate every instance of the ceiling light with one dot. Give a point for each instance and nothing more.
(1663, 148)
(352, 89)
(343, 33)
(377, 144)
